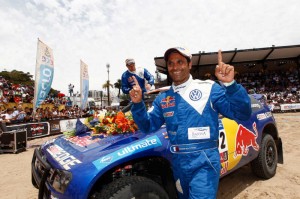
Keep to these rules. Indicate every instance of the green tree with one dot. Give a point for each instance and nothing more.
(118, 85)
(18, 77)
(107, 84)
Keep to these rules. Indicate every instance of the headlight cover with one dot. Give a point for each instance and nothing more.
(60, 179)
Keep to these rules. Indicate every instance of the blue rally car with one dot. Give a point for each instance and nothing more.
(137, 165)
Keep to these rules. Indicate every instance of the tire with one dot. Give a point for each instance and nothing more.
(264, 166)
(132, 187)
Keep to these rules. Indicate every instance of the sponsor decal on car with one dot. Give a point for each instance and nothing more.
(106, 159)
(65, 159)
(235, 141)
(145, 144)
(223, 149)
(255, 106)
(263, 116)
(82, 141)
(244, 139)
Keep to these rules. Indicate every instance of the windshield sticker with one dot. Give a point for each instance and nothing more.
(143, 145)
(62, 157)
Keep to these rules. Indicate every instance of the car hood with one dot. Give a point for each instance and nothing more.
(86, 148)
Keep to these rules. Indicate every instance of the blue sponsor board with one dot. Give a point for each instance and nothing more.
(145, 144)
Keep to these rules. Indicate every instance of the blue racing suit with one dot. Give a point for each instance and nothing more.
(141, 74)
(190, 111)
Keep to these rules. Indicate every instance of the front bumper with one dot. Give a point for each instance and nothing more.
(40, 170)
(43, 171)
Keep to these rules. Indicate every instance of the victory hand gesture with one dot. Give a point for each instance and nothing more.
(224, 72)
(136, 93)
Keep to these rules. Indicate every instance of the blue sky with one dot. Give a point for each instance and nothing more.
(109, 31)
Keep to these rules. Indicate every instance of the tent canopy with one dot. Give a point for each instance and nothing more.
(251, 56)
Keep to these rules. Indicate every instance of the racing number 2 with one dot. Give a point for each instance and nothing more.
(222, 144)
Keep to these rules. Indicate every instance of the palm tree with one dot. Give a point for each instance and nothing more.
(106, 85)
(118, 85)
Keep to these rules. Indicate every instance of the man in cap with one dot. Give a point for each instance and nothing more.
(143, 76)
(190, 110)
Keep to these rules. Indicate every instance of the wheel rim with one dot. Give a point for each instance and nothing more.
(270, 155)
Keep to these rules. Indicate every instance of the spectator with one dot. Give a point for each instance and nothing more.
(144, 78)
(19, 114)
(8, 116)
(38, 115)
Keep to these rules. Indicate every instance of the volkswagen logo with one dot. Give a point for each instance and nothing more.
(195, 95)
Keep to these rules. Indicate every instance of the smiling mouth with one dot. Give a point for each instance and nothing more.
(176, 73)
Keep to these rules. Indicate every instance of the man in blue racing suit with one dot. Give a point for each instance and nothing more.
(190, 110)
(143, 76)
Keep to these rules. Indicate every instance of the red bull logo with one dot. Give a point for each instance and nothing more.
(167, 102)
(224, 169)
(244, 139)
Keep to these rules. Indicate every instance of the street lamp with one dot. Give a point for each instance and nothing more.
(107, 66)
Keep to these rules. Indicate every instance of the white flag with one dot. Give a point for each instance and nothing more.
(84, 84)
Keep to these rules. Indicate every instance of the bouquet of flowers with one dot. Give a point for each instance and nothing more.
(113, 124)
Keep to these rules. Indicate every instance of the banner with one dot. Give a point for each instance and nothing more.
(44, 71)
(34, 130)
(84, 84)
(289, 107)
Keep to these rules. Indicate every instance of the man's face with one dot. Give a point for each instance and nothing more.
(131, 67)
(179, 68)
(20, 108)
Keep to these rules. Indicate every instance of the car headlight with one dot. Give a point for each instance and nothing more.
(60, 179)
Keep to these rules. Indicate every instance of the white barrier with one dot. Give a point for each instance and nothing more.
(289, 107)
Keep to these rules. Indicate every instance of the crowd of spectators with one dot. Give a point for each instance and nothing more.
(10, 92)
(281, 87)
(20, 115)
(277, 87)
(17, 93)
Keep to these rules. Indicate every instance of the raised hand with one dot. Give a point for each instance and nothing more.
(136, 93)
(224, 72)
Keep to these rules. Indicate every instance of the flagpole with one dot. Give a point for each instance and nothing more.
(35, 77)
